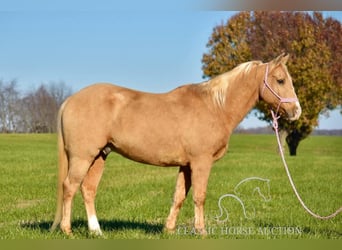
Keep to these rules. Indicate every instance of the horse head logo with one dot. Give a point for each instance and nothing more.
(243, 190)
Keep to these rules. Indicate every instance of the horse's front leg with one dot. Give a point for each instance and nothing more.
(199, 178)
(182, 188)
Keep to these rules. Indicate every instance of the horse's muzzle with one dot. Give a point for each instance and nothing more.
(295, 113)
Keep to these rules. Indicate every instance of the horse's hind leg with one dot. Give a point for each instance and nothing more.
(182, 188)
(88, 188)
(78, 168)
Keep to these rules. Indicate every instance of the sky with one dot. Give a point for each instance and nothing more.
(143, 48)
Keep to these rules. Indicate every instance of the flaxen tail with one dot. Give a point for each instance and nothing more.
(62, 169)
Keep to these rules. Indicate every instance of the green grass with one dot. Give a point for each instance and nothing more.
(133, 199)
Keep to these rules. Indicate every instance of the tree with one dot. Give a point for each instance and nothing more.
(314, 44)
(9, 108)
(228, 46)
(332, 33)
(35, 112)
(41, 107)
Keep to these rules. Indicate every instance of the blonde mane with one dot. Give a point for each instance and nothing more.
(218, 86)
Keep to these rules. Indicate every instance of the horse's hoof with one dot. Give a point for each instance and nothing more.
(201, 231)
(169, 230)
(97, 234)
(67, 231)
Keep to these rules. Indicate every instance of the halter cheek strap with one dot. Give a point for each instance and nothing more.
(281, 99)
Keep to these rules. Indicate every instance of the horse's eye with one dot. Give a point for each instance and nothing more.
(280, 81)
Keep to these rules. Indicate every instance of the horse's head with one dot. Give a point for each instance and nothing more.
(277, 89)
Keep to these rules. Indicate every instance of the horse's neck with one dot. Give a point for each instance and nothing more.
(242, 96)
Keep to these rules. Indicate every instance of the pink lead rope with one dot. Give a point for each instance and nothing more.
(275, 126)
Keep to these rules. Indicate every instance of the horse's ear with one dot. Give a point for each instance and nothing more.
(285, 58)
(282, 58)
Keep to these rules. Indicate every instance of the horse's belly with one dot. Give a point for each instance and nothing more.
(154, 154)
(154, 159)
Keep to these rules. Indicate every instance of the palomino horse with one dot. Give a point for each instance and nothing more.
(188, 127)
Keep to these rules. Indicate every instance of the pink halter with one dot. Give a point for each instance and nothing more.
(281, 99)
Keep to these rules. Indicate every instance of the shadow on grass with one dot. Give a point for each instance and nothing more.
(119, 225)
(106, 226)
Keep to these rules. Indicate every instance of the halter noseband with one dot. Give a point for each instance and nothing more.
(281, 99)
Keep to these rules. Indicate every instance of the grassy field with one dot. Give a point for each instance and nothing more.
(134, 199)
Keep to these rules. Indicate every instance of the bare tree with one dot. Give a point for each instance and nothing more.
(41, 106)
(9, 106)
(59, 91)
(35, 112)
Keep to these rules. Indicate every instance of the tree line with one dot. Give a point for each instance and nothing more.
(269, 131)
(32, 112)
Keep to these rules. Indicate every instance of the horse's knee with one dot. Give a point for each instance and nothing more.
(199, 197)
(200, 176)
